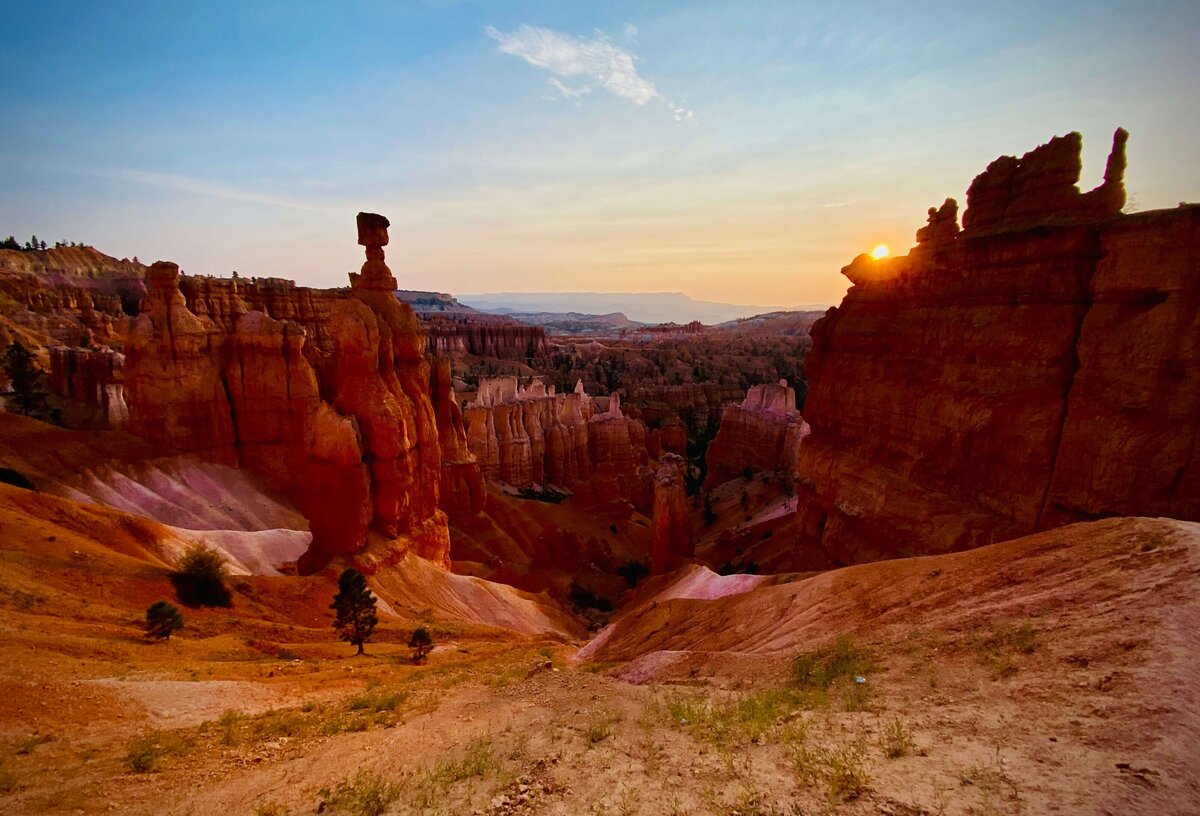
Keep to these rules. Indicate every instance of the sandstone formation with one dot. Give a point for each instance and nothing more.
(764, 433)
(1036, 368)
(530, 436)
(94, 380)
(224, 300)
(462, 490)
(42, 313)
(505, 340)
(79, 268)
(671, 540)
(697, 405)
(349, 432)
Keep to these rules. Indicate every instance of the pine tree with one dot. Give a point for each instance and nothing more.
(354, 609)
(162, 620)
(25, 377)
(420, 643)
(10, 243)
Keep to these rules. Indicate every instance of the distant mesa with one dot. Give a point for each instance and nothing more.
(640, 307)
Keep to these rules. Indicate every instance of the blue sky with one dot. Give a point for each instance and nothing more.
(738, 152)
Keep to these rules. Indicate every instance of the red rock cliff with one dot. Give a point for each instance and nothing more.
(462, 477)
(351, 434)
(763, 434)
(671, 539)
(1038, 367)
(530, 435)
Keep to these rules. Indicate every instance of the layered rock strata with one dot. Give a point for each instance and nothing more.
(350, 433)
(504, 340)
(1040, 366)
(764, 433)
(462, 485)
(93, 379)
(530, 436)
(671, 538)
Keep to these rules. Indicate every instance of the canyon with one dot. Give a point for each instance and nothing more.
(978, 470)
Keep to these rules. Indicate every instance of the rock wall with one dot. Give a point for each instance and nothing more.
(530, 436)
(1036, 368)
(45, 314)
(224, 300)
(350, 433)
(507, 341)
(764, 433)
(462, 491)
(94, 380)
(671, 537)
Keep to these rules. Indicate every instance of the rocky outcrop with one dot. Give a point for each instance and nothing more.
(671, 538)
(94, 380)
(1036, 368)
(350, 433)
(224, 300)
(530, 436)
(80, 267)
(764, 433)
(671, 436)
(699, 399)
(504, 340)
(46, 314)
(173, 373)
(463, 491)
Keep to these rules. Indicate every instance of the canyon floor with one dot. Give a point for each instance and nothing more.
(1052, 674)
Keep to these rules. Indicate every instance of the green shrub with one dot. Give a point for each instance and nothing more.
(201, 576)
(162, 620)
(997, 649)
(377, 700)
(421, 643)
(368, 794)
(895, 740)
(820, 669)
(849, 776)
(146, 752)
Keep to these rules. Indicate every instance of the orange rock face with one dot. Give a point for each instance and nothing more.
(530, 435)
(173, 379)
(764, 433)
(510, 341)
(671, 539)
(1037, 368)
(463, 491)
(93, 380)
(350, 433)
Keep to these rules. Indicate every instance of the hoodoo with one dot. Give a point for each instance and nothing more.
(347, 429)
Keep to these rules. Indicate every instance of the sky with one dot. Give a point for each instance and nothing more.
(738, 152)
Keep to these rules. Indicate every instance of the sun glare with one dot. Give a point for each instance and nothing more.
(879, 251)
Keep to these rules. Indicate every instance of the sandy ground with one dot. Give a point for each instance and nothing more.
(976, 711)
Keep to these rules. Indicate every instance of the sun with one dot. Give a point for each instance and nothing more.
(880, 251)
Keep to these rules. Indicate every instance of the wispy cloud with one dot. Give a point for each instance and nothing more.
(188, 184)
(568, 92)
(595, 60)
